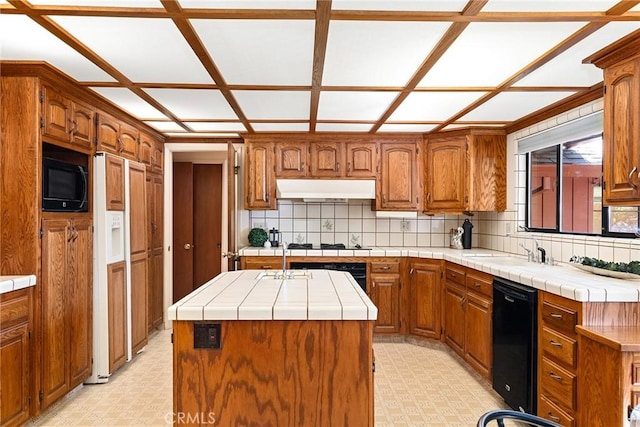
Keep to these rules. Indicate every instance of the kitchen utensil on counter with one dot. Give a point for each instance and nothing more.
(274, 237)
(466, 236)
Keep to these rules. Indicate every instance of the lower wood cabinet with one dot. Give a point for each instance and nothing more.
(425, 294)
(117, 307)
(384, 291)
(15, 349)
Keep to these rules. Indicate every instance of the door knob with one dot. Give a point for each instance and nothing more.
(187, 246)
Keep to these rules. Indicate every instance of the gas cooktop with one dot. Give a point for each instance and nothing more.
(322, 246)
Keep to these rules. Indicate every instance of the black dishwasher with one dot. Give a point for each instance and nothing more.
(515, 344)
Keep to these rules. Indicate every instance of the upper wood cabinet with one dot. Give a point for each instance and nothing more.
(67, 120)
(291, 159)
(259, 178)
(465, 171)
(362, 159)
(398, 185)
(621, 139)
(114, 185)
(327, 159)
(117, 137)
(150, 152)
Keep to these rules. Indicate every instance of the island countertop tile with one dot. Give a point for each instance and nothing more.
(248, 295)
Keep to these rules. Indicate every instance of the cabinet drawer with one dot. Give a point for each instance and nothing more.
(560, 317)
(558, 346)
(551, 412)
(558, 383)
(14, 309)
(480, 283)
(265, 263)
(385, 267)
(456, 275)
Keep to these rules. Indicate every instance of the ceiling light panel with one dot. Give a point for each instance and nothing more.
(280, 127)
(343, 127)
(165, 126)
(144, 50)
(354, 105)
(130, 102)
(548, 6)
(433, 106)
(194, 103)
(260, 52)
(395, 5)
(368, 53)
(217, 126)
(568, 69)
(274, 105)
(509, 106)
(196, 136)
(100, 3)
(486, 54)
(23, 39)
(249, 4)
(397, 127)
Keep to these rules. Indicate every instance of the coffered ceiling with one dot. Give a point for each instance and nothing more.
(209, 68)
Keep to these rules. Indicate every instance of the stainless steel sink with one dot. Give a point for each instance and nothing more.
(280, 275)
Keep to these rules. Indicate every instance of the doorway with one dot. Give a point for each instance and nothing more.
(197, 225)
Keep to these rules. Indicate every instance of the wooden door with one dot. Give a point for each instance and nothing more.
(145, 150)
(362, 159)
(156, 263)
(57, 115)
(621, 144)
(425, 295)
(55, 337)
(14, 385)
(291, 159)
(117, 308)
(385, 294)
(398, 189)
(128, 141)
(82, 125)
(478, 338)
(182, 229)
(445, 175)
(108, 133)
(207, 220)
(260, 179)
(114, 185)
(79, 301)
(327, 159)
(232, 214)
(454, 317)
(138, 254)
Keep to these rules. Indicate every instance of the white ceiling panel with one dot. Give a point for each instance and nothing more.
(260, 51)
(548, 5)
(165, 126)
(486, 54)
(397, 127)
(568, 69)
(145, 50)
(23, 39)
(195, 136)
(343, 127)
(433, 106)
(249, 4)
(508, 106)
(194, 103)
(280, 127)
(217, 126)
(354, 105)
(412, 5)
(101, 3)
(270, 104)
(366, 53)
(130, 102)
(466, 125)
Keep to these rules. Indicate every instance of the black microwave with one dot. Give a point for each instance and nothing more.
(64, 186)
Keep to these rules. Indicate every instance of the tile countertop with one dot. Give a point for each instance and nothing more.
(247, 295)
(562, 279)
(13, 283)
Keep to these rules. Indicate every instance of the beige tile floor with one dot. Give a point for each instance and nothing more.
(417, 383)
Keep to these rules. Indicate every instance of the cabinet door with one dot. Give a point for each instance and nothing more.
(79, 301)
(385, 294)
(424, 300)
(291, 160)
(14, 375)
(139, 324)
(57, 115)
(478, 344)
(156, 284)
(138, 247)
(128, 140)
(117, 307)
(454, 297)
(621, 155)
(362, 159)
(327, 159)
(145, 151)
(158, 209)
(259, 177)
(108, 134)
(114, 182)
(82, 125)
(157, 157)
(445, 175)
(55, 367)
(398, 189)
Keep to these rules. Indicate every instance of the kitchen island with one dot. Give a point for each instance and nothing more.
(255, 348)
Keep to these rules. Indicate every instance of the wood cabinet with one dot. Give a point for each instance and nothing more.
(138, 255)
(117, 137)
(425, 294)
(150, 153)
(67, 300)
(117, 307)
(384, 291)
(621, 133)
(261, 263)
(465, 171)
(114, 185)
(67, 120)
(15, 352)
(291, 159)
(362, 159)
(260, 178)
(398, 186)
(327, 159)
(155, 197)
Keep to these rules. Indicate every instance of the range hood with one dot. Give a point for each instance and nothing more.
(325, 190)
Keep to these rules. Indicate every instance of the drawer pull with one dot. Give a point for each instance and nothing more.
(266, 267)
(385, 267)
(477, 285)
(453, 275)
(555, 315)
(553, 417)
(555, 377)
(555, 343)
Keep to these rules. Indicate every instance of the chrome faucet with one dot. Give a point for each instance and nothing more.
(529, 253)
(284, 259)
(542, 257)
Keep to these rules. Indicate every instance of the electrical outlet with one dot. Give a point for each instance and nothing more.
(262, 225)
(507, 227)
(405, 225)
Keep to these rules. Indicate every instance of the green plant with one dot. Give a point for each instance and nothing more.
(257, 237)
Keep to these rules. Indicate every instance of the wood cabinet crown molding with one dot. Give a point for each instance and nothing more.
(623, 49)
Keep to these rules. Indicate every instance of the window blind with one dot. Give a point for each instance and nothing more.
(573, 130)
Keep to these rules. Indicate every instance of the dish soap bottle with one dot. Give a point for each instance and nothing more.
(466, 236)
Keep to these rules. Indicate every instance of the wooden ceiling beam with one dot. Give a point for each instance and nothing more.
(323, 16)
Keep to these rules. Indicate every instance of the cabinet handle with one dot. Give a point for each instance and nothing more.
(462, 301)
(476, 284)
(555, 377)
(120, 144)
(338, 166)
(386, 267)
(453, 275)
(428, 197)
(411, 272)
(555, 343)
(266, 267)
(348, 166)
(555, 315)
(630, 177)
(553, 417)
